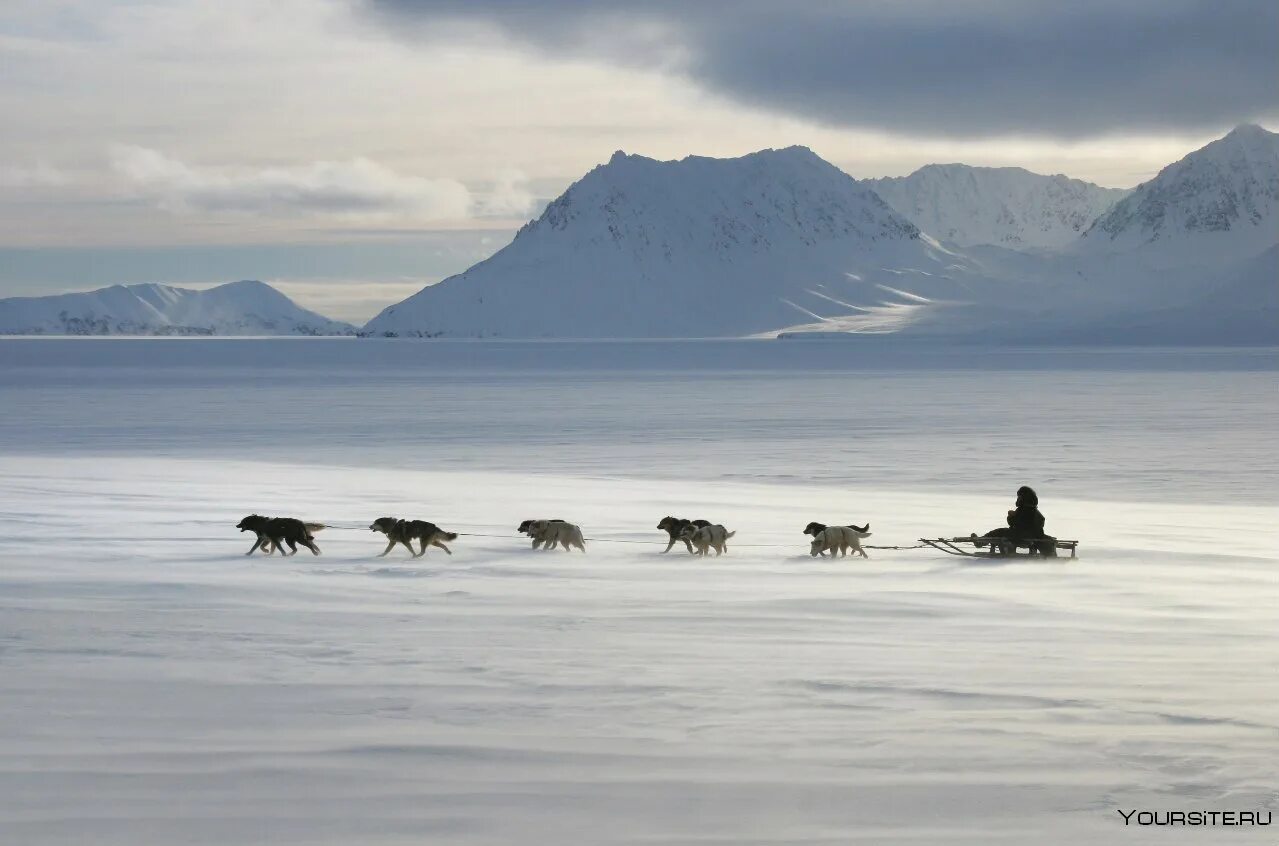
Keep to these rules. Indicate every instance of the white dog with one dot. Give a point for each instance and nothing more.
(839, 539)
(548, 533)
(707, 538)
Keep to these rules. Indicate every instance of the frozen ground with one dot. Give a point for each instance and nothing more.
(162, 688)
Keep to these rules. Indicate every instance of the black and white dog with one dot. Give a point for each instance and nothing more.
(675, 526)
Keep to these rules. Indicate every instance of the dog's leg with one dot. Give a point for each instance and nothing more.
(255, 546)
(441, 545)
(669, 545)
(389, 546)
(313, 546)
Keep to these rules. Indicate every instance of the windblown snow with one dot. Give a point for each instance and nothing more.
(162, 688)
(247, 307)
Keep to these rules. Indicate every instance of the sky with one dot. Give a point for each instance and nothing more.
(351, 151)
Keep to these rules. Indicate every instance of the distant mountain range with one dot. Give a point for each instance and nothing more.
(237, 308)
(1002, 206)
(781, 242)
(1217, 203)
(698, 247)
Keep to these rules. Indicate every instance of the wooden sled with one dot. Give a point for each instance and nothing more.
(995, 547)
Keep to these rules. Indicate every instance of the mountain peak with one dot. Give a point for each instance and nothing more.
(247, 307)
(1249, 130)
(1003, 206)
(1230, 185)
(750, 238)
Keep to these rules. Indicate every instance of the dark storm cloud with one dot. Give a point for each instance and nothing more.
(934, 67)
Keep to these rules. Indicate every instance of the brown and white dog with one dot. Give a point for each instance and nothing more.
(406, 531)
(546, 534)
(839, 540)
(705, 538)
(674, 526)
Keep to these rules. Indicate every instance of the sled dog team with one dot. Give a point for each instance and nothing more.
(698, 536)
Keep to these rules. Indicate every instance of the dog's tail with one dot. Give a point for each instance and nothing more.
(449, 536)
(729, 535)
(312, 528)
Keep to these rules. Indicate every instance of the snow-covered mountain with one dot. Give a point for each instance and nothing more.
(781, 241)
(1217, 203)
(237, 308)
(1004, 206)
(695, 248)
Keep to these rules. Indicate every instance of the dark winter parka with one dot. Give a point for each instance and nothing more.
(1025, 520)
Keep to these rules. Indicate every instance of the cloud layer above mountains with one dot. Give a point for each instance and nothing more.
(931, 67)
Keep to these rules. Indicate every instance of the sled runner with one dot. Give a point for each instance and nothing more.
(995, 547)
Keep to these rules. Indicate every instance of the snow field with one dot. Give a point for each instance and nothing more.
(161, 687)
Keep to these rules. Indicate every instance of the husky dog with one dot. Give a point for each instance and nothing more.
(406, 531)
(705, 538)
(673, 526)
(274, 532)
(839, 539)
(816, 529)
(548, 533)
(524, 529)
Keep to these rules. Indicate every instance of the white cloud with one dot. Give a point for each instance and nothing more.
(30, 176)
(302, 121)
(509, 197)
(357, 188)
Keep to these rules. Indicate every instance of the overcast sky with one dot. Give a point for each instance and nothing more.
(325, 143)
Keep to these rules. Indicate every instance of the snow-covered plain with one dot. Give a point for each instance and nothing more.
(162, 688)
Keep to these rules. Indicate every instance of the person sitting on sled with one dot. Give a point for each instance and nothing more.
(1025, 521)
